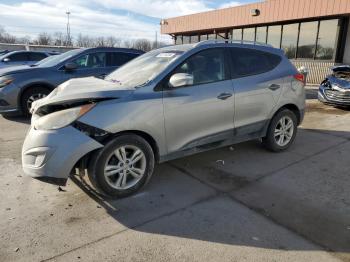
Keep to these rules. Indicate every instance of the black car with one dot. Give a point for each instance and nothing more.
(21, 85)
(335, 89)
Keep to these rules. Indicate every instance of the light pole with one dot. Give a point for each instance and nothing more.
(68, 29)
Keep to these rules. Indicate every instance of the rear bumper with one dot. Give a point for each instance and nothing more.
(50, 155)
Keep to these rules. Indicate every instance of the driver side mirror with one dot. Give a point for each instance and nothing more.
(5, 60)
(181, 79)
(70, 66)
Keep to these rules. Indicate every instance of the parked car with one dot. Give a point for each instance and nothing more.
(20, 86)
(16, 58)
(335, 89)
(2, 52)
(168, 103)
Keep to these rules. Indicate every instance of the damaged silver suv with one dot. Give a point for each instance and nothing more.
(168, 103)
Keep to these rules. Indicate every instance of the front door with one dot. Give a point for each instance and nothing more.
(200, 113)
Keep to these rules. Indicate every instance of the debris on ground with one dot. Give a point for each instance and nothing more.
(220, 161)
(60, 189)
(8, 208)
(51, 214)
(16, 249)
(98, 206)
(255, 238)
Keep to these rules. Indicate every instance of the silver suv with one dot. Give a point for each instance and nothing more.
(168, 103)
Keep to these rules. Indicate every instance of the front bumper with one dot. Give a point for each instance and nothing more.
(8, 99)
(333, 97)
(50, 155)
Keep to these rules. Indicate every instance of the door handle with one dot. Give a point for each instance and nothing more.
(274, 87)
(224, 96)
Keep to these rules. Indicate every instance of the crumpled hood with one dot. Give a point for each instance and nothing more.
(343, 83)
(83, 89)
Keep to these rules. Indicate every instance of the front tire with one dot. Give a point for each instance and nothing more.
(30, 95)
(123, 166)
(281, 131)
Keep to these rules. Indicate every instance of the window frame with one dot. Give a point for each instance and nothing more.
(87, 68)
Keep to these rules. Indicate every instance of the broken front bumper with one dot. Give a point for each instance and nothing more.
(50, 155)
(334, 97)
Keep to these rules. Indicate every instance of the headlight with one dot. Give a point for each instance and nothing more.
(61, 118)
(4, 81)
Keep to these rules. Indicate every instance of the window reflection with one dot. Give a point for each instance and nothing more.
(261, 34)
(249, 34)
(307, 40)
(289, 39)
(186, 39)
(327, 39)
(237, 34)
(274, 36)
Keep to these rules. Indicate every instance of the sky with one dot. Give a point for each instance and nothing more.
(125, 19)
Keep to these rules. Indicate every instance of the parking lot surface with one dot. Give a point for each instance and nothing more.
(238, 203)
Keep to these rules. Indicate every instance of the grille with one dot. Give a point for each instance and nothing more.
(338, 96)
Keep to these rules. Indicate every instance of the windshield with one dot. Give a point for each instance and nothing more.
(144, 68)
(56, 59)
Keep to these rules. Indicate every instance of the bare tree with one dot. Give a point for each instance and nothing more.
(43, 39)
(112, 41)
(59, 39)
(142, 44)
(6, 37)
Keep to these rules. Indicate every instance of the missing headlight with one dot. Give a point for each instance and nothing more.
(91, 131)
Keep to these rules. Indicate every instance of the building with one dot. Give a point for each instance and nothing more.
(313, 33)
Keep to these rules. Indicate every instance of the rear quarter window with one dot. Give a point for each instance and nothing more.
(119, 59)
(248, 62)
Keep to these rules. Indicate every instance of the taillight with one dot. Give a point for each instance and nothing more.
(300, 77)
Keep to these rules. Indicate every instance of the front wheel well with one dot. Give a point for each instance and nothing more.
(28, 87)
(142, 134)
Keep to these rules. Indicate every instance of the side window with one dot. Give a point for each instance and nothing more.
(247, 62)
(18, 57)
(207, 66)
(119, 59)
(93, 60)
(36, 56)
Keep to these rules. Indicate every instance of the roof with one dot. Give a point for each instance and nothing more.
(271, 11)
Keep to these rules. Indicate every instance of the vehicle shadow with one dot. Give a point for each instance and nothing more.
(244, 201)
(18, 119)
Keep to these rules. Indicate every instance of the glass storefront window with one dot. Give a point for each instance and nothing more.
(289, 39)
(237, 34)
(327, 39)
(249, 34)
(186, 39)
(261, 34)
(194, 39)
(178, 40)
(307, 40)
(211, 36)
(203, 37)
(274, 36)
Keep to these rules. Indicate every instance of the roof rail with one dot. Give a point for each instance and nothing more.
(229, 41)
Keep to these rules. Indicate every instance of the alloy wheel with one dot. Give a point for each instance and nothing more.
(284, 131)
(125, 167)
(33, 98)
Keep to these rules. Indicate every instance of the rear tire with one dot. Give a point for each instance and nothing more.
(281, 131)
(30, 95)
(122, 167)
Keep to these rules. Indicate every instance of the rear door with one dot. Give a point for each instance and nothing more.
(201, 113)
(258, 84)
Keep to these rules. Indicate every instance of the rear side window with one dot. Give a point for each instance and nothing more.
(18, 57)
(119, 59)
(37, 56)
(247, 62)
